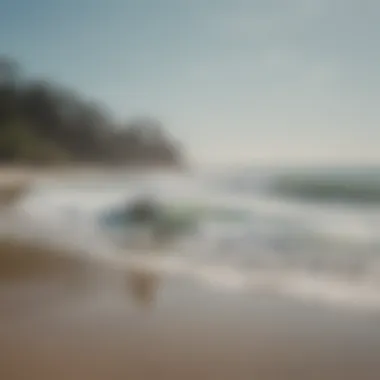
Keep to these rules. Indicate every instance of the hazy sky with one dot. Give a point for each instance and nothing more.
(235, 80)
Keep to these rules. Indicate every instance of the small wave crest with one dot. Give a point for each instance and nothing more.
(268, 276)
(328, 188)
(337, 291)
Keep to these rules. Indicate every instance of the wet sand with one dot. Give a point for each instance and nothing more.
(66, 318)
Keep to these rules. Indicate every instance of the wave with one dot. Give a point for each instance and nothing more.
(341, 279)
(284, 249)
(328, 188)
(20, 260)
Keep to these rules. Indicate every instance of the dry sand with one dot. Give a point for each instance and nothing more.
(64, 318)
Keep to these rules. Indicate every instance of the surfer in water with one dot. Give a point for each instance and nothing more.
(163, 223)
(146, 211)
(143, 210)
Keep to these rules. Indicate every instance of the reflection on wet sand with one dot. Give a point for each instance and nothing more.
(143, 285)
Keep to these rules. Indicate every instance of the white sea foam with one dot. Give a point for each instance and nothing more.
(300, 250)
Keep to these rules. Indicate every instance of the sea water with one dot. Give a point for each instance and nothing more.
(311, 233)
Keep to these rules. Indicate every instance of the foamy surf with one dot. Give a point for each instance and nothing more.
(328, 255)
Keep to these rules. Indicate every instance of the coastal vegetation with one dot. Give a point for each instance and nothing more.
(44, 123)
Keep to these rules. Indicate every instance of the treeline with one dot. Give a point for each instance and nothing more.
(45, 123)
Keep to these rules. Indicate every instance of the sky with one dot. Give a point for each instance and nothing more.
(236, 81)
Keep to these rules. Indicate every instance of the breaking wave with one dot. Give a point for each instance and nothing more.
(295, 249)
(329, 188)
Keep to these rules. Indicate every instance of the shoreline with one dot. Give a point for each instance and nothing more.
(68, 318)
(15, 180)
(23, 171)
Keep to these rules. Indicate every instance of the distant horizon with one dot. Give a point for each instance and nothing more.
(247, 166)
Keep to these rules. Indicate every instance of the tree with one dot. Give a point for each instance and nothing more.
(42, 122)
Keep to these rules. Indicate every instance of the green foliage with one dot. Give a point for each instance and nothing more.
(18, 144)
(42, 123)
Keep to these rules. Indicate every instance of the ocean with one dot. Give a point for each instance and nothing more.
(310, 233)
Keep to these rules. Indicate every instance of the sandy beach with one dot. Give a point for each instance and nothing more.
(69, 318)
